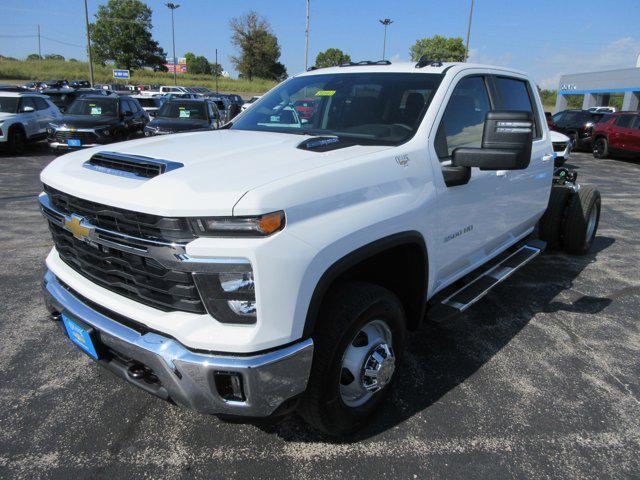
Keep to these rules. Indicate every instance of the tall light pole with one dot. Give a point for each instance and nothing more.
(86, 19)
(386, 22)
(172, 7)
(466, 51)
(306, 43)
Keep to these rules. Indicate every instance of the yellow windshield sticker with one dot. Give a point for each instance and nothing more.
(325, 93)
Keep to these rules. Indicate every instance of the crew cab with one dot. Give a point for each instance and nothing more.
(275, 265)
(97, 120)
(24, 118)
(618, 133)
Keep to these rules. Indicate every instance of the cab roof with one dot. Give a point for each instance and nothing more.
(19, 94)
(405, 67)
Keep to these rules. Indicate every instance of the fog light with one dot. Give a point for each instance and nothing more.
(245, 308)
(229, 386)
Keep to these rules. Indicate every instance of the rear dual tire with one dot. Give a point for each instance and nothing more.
(571, 219)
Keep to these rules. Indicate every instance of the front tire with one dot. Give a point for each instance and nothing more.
(17, 141)
(601, 148)
(581, 223)
(358, 347)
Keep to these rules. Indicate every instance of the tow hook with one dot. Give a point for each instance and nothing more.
(140, 372)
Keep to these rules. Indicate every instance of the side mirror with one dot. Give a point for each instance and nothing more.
(27, 109)
(506, 143)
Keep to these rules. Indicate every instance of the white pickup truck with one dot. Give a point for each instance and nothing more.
(279, 263)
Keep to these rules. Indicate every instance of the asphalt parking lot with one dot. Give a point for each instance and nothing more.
(538, 380)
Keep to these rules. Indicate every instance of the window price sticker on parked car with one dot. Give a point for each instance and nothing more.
(325, 93)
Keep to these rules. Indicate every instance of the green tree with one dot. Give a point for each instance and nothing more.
(258, 46)
(53, 56)
(439, 48)
(216, 69)
(331, 57)
(34, 56)
(122, 34)
(198, 65)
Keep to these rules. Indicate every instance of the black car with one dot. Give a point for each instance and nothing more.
(56, 83)
(93, 120)
(80, 84)
(577, 125)
(182, 115)
(63, 97)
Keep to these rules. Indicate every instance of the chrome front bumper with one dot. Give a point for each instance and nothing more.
(183, 376)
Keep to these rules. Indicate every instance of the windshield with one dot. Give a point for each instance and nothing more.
(376, 108)
(148, 102)
(8, 104)
(183, 111)
(94, 107)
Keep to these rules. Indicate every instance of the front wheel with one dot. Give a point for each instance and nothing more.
(601, 148)
(17, 141)
(358, 349)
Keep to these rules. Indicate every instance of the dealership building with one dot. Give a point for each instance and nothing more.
(597, 88)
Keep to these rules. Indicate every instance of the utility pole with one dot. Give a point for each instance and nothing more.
(39, 49)
(306, 44)
(215, 69)
(172, 7)
(86, 19)
(466, 51)
(386, 22)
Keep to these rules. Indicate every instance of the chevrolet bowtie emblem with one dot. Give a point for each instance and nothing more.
(74, 225)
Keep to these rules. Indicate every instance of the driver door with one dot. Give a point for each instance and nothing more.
(471, 215)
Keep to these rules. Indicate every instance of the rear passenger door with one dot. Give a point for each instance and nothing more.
(634, 136)
(527, 191)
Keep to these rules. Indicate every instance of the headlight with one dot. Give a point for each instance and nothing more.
(258, 226)
(229, 296)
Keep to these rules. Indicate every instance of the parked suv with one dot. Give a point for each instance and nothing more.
(577, 125)
(276, 264)
(93, 120)
(24, 118)
(178, 115)
(617, 133)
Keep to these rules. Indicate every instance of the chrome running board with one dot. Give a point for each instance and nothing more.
(462, 297)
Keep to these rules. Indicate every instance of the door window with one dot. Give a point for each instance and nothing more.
(463, 120)
(624, 121)
(513, 94)
(636, 123)
(26, 102)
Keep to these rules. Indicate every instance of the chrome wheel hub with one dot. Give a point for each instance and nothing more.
(368, 363)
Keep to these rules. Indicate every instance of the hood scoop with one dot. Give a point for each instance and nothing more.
(324, 144)
(132, 166)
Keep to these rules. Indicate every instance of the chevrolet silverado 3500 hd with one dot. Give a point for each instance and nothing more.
(279, 263)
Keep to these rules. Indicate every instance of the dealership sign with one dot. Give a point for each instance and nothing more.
(120, 73)
(568, 86)
(176, 64)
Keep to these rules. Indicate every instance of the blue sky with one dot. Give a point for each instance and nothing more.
(545, 38)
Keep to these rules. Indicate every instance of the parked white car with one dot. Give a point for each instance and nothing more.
(279, 264)
(249, 102)
(561, 147)
(24, 118)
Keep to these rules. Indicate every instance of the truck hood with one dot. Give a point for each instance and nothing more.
(219, 168)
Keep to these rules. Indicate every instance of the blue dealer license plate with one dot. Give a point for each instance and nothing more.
(74, 142)
(80, 337)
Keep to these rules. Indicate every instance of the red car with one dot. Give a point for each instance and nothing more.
(305, 107)
(617, 133)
